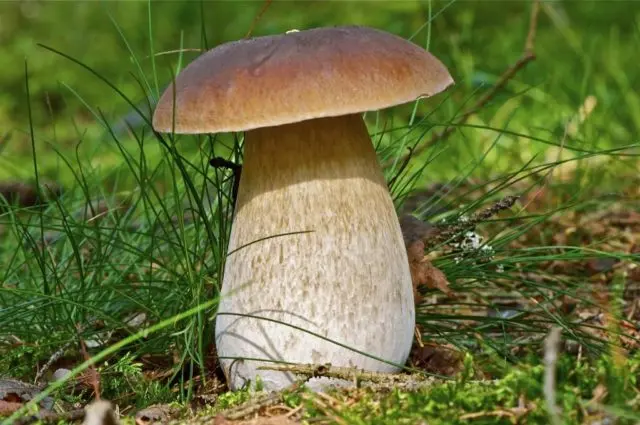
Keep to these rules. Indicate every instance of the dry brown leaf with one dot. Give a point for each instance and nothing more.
(9, 407)
(439, 359)
(415, 232)
(425, 273)
(434, 278)
(156, 414)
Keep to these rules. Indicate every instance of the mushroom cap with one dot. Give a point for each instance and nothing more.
(301, 75)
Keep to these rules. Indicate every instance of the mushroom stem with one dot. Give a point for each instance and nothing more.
(347, 280)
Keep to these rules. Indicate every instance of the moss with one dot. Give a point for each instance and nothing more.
(517, 395)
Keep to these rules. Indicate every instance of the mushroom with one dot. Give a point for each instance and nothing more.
(308, 165)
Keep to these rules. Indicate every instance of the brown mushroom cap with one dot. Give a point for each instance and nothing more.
(286, 78)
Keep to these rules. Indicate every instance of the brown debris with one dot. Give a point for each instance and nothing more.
(364, 377)
(425, 273)
(446, 232)
(415, 233)
(26, 194)
(444, 360)
(9, 407)
(156, 414)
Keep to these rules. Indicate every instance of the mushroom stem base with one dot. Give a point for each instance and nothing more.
(346, 280)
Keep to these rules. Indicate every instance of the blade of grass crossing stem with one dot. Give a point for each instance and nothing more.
(152, 55)
(132, 54)
(39, 190)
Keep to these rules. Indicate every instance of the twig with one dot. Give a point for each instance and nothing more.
(444, 232)
(350, 374)
(248, 408)
(253, 406)
(60, 352)
(482, 414)
(171, 52)
(551, 344)
(529, 45)
(54, 357)
(327, 410)
(266, 5)
(527, 56)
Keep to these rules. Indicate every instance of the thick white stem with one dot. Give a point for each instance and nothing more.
(348, 280)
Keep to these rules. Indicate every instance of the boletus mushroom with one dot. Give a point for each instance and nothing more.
(308, 165)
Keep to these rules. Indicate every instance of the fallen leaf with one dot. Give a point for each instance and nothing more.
(439, 359)
(415, 232)
(9, 407)
(156, 414)
(425, 273)
(433, 278)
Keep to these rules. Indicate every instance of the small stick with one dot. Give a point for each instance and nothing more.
(252, 406)
(551, 344)
(248, 408)
(345, 373)
(59, 353)
(447, 231)
(54, 357)
(266, 5)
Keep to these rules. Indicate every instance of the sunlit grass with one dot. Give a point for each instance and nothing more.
(153, 240)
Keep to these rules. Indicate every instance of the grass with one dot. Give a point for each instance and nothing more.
(135, 275)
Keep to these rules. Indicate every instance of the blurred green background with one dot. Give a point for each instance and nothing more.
(584, 48)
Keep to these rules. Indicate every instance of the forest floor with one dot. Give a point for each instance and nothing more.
(525, 257)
